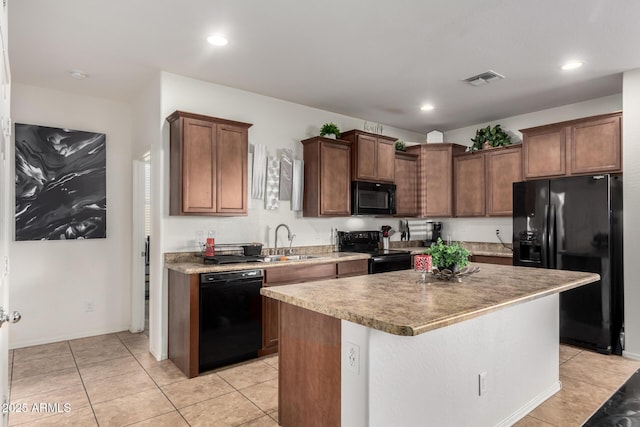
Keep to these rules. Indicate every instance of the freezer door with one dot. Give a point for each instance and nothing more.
(580, 220)
(530, 223)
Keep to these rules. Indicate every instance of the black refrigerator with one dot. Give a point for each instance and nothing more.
(575, 223)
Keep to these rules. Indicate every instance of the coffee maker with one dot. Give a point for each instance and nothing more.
(433, 232)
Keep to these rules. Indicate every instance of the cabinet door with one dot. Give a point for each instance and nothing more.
(270, 322)
(468, 172)
(386, 161)
(232, 169)
(406, 185)
(544, 153)
(366, 158)
(595, 146)
(504, 167)
(198, 166)
(436, 197)
(335, 180)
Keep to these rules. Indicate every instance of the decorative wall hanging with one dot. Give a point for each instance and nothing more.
(259, 171)
(273, 183)
(60, 184)
(286, 170)
(297, 185)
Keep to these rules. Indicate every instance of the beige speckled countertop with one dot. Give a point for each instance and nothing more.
(195, 265)
(394, 303)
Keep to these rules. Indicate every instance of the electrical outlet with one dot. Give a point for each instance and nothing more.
(482, 383)
(89, 306)
(352, 357)
(497, 231)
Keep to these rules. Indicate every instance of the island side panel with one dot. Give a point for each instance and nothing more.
(309, 368)
(433, 378)
(184, 297)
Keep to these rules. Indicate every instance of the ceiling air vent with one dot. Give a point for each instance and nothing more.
(484, 78)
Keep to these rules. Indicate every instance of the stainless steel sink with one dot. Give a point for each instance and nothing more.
(282, 258)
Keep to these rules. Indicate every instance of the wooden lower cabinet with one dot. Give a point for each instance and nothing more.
(287, 275)
(311, 355)
(184, 325)
(500, 260)
(357, 267)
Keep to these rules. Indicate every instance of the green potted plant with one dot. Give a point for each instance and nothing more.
(493, 136)
(452, 257)
(400, 146)
(329, 129)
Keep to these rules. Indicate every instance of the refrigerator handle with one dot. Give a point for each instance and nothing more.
(545, 238)
(552, 237)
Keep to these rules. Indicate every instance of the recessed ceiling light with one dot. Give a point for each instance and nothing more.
(78, 74)
(427, 107)
(572, 65)
(217, 40)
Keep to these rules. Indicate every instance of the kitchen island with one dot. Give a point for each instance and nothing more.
(383, 350)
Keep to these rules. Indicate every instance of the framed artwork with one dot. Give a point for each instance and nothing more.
(60, 184)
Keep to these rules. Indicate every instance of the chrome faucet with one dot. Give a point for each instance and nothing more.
(289, 236)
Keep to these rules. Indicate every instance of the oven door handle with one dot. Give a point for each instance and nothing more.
(386, 259)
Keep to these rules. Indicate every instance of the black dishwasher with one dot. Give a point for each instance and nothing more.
(230, 318)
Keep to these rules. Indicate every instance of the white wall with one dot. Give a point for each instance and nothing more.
(147, 131)
(52, 280)
(484, 230)
(631, 195)
(276, 124)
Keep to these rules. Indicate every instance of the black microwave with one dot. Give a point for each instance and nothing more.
(370, 198)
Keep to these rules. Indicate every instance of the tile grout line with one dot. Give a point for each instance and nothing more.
(156, 384)
(84, 387)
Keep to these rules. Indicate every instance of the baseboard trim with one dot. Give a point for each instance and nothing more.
(49, 340)
(630, 355)
(531, 405)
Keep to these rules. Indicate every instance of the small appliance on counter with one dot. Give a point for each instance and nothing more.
(433, 232)
(382, 260)
(251, 252)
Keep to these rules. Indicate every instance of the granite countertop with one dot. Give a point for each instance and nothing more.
(475, 248)
(194, 265)
(394, 303)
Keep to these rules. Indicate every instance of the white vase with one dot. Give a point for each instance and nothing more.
(330, 136)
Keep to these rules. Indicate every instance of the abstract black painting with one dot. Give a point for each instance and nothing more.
(60, 184)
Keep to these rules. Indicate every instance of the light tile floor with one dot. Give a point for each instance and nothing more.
(112, 380)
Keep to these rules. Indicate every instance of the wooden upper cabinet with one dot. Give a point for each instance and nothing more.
(435, 178)
(503, 168)
(208, 165)
(544, 153)
(484, 181)
(372, 156)
(585, 146)
(327, 177)
(469, 184)
(231, 166)
(386, 160)
(406, 184)
(595, 145)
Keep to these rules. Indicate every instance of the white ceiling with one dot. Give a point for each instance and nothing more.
(378, 60)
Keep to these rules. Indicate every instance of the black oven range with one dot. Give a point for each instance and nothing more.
(368, 242)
